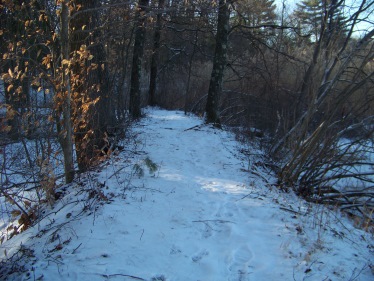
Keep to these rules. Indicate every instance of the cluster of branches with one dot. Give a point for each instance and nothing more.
(330, 144)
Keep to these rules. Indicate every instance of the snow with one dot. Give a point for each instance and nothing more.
(207, 213)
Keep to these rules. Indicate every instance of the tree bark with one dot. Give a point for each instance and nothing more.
(219, 64)
(90, 135)
(66, 131)
(135, 94)
(156, 46)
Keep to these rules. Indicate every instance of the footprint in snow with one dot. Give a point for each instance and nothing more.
(240, 265)
(175, 250)
(159, 278)
(227, 210)
(200, 255)
(207, 232)
(224, 229)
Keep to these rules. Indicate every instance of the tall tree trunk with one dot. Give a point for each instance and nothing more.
(219, 63)
(90, 133)
(156, 46)
(140, 20)
(66, 130)
(124, 58)
(192, 56)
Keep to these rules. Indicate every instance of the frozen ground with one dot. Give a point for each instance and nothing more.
(208, 213)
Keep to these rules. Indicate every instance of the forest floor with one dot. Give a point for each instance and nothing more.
(181, 202)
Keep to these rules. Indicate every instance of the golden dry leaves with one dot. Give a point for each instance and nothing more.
(10, 73)
(65, 61)
(10, 87)
(6, 77)
(47, 61)
(19, 90)
(35, 82)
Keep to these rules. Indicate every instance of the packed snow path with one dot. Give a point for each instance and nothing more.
(200, 227)
(208, 213)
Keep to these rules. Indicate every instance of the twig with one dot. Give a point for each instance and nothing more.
(141, 235)
(124, 275)
(73, 252)
(259, 175)
(116, 172)
(292, 211)
(220, 221)
(197, 126)
(355, 275)
(245, 196)
(151, 189)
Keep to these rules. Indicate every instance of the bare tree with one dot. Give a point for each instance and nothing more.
(135, 91)
(65, 127)
(154, 60)
(219, 64)
(94, 109)
(339, 73)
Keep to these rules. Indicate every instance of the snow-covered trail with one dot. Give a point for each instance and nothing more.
(212, 232)
(204, 215)
(197, 226)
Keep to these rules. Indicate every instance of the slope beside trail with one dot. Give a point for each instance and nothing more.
(208, 213)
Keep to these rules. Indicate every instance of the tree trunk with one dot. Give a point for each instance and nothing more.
(135, 100)
(94, 84)
(186, 100)
(66, 131)
(219, 63)
(156, 46)
(124, 58)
